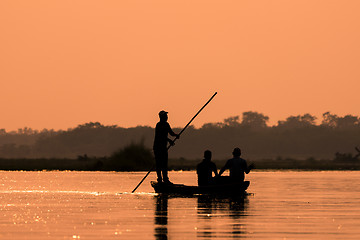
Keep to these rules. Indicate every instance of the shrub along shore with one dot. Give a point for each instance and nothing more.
(136, 157)
(108, 164)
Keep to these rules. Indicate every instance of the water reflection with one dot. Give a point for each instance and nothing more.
(209, 207)
(161, 217)
(230, 212)
(96, 205)
(238, 210)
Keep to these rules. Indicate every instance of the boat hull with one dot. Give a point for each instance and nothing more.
(235, 189)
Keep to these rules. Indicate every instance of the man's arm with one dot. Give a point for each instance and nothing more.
(171, 132)
(172, 143)
(174, 134)
(251, 166)
(248, 168)
(224, 168)
(215, 170)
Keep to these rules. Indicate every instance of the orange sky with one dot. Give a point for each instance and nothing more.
(64, 63)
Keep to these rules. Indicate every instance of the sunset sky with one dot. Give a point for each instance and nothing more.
(64, 63)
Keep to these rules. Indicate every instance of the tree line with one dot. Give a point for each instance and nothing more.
(298, 137)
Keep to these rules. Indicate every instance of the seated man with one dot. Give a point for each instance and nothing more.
(237, 167)
(205, 170)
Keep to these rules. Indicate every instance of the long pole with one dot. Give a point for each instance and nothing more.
(175, 140)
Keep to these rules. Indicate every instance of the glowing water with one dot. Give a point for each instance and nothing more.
(83, 205)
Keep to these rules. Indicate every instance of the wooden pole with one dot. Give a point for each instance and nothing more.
(175, 140)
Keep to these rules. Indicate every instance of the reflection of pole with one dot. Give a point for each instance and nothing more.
(161, 217)
(175, 140)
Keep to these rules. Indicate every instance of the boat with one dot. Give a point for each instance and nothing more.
(228, 189)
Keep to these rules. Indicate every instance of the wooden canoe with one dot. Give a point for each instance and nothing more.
(236, 189)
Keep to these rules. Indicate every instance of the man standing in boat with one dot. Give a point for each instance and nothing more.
(237, 167)
(160, 146)
(205, 169)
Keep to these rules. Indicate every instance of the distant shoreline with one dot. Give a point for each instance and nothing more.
(105, 164)
(280, 164)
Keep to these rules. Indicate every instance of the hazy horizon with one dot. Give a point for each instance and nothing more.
(121, 62)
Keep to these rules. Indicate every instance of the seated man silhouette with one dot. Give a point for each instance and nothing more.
(237, 167)
(205, 169)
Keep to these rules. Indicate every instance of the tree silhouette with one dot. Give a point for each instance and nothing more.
(232, 121)
(254, 120)
(348, 121)
(329, 120)
(296, 137)
(299, 121)
(334, 121)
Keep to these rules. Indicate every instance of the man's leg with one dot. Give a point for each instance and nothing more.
(165, 168)
(158, 165)
(158, 173)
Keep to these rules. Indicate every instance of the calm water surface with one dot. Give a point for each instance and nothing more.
(99, 205)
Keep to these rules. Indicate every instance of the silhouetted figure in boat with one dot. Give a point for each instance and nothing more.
(160, 146)
(205, 169)
(237, 166)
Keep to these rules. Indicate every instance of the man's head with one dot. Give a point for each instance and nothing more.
(207, 155)
(237, 152)
(163, 115)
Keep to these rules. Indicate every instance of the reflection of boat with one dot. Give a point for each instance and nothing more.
(238, 188)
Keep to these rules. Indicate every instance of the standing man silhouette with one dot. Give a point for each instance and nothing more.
(160, 147)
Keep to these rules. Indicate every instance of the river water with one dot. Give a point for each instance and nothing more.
(99, 205)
